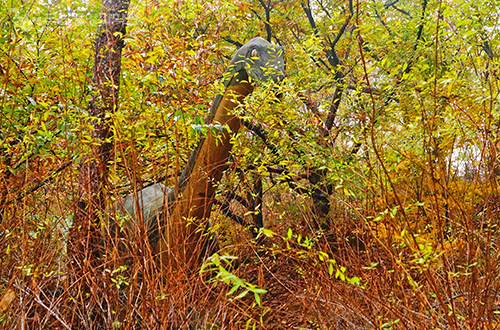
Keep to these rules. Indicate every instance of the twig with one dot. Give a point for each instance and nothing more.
(40, 184)
(38, 301)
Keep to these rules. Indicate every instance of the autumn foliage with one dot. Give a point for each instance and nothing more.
(375, 176)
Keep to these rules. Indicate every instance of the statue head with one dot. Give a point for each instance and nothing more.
(256, 61)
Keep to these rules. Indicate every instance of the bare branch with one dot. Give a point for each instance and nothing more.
(267, 11)
(380, 18)
(308, 12)
(234, 42)
(228, 213)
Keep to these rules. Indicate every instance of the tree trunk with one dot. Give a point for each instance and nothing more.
(84, 237)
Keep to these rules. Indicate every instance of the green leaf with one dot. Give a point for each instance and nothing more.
(241, 295)
(233, 289)
(257, 298)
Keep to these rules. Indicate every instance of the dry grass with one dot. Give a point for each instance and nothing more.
(399, 276)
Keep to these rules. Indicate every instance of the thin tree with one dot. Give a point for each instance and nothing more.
(83, 247)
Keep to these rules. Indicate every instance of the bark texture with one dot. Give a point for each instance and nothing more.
(84, 239)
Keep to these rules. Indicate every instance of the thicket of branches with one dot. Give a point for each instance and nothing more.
(374, 179)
